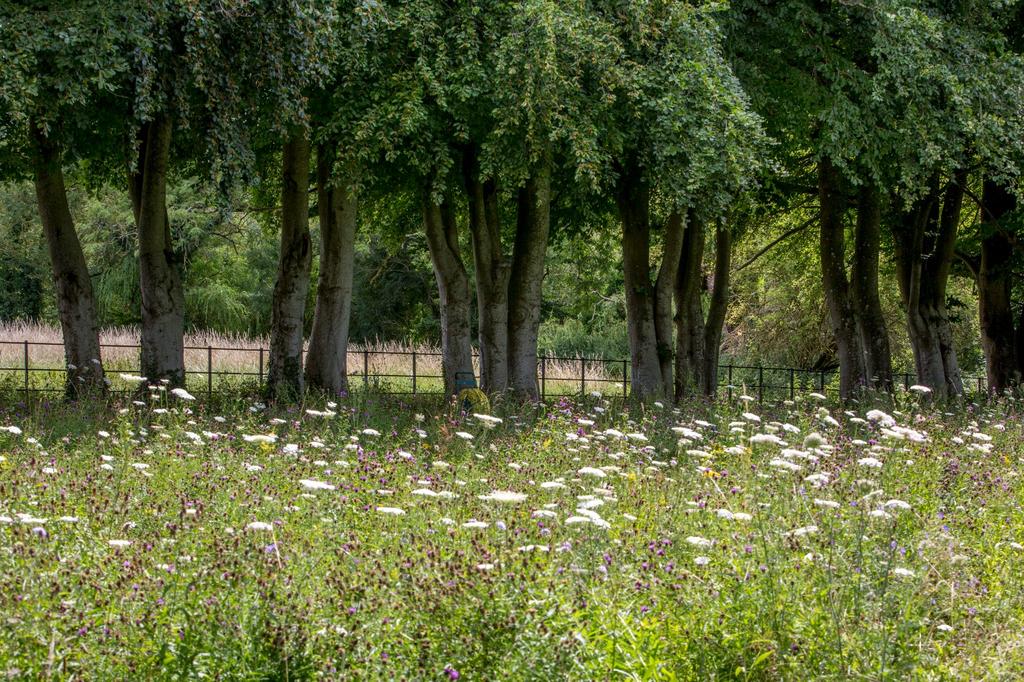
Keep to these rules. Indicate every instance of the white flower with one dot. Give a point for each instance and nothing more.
(182, 393)
(870, 462)
(553, 485)
(315, 485)
(463, 435)
(321, 413)
(698, 541)
(15, 430)
(424, 492)
(881, 418)
(473, 523)
(503, 496)
(826, 503)
(534, 548)
(903, 572)
(767, 438)
(489, 421)
(485, 567)
(370, 432)
(394, 511)
(259, 525)
(785, 464)
(119, 543)
(896, 504)
(592, 471)
(701, 560)
(751, 417)
(920, 390)
(134, 379)
(543, 513)
(260, 438)
(805, 530)
(880, 514)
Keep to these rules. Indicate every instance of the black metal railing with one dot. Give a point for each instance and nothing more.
(408, 372)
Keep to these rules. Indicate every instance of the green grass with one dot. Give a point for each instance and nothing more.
(340, 590)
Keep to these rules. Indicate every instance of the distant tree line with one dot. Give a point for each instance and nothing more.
(898, 124)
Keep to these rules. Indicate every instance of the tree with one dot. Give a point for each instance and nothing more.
(59, 67)
(682, 135)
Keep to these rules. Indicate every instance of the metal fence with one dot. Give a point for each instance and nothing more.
(37, 367)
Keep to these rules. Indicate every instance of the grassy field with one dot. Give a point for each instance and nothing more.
(378, 539)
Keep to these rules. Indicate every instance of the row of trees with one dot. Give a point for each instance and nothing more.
(500, 119)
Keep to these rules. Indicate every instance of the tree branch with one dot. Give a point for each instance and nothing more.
(785, 235)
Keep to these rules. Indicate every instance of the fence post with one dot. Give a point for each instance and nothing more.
(209, 372)
(760, 384)
(625, 383)
(906, 381)
(543, 377)
(821, 381)
(25, 354)
(729, 386)
(792, 384)
(366, 368)
(261, 365)
(414, 372)
(980, 387)
(583, 377)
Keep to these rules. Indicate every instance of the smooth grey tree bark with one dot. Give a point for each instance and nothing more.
(717, 307)
(76, 305)
(871, 327)
(699, 337)
(163, 297)
(284, 376)
(633, 199)
(453, 287)
(926, 237)
(327, 354)
(832, 252)
(526, 280)
(690, 327)
(664, 288)
(492, 271)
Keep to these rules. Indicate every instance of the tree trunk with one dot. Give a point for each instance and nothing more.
(163, 298)
(939, 267)
(492, 272)
(284, 376)
(690, 328)
(633, 198)
(995, 280)
(717, 308)
(453, 288)
(664, 287)
(526, 280)
(874, 335)
(326, 358)
(924, 255)
(76, 305)
(832, 250)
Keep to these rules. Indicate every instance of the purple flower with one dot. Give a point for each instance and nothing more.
(451, 672)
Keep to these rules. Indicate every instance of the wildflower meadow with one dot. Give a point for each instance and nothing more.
(379, 539)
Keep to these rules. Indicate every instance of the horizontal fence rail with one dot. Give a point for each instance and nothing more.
(37, 367)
